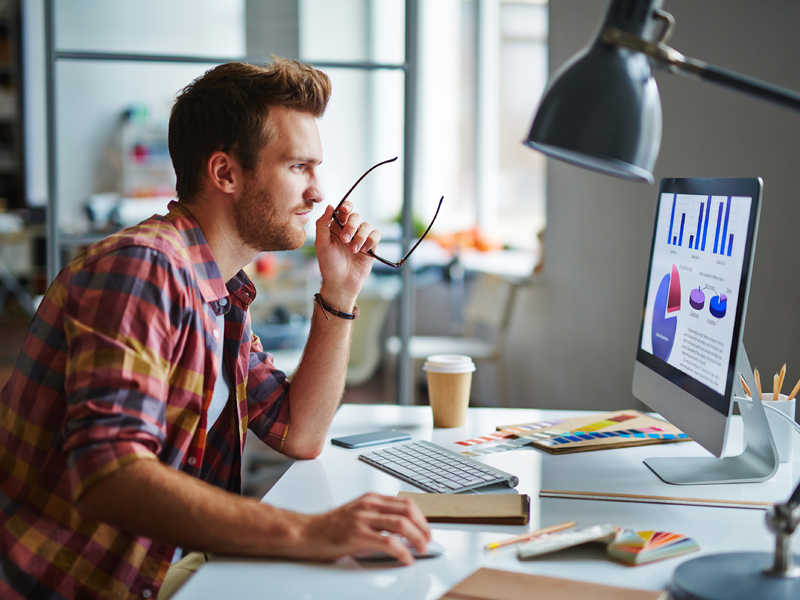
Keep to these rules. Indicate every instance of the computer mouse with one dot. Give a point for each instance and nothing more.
(432, 551)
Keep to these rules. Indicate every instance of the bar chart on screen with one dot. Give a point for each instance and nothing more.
(704, 223)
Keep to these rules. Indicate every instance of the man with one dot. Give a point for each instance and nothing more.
(139, 376)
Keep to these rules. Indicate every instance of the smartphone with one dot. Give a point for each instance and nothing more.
(371, 439)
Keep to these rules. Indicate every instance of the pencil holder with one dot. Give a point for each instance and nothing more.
(782, 430)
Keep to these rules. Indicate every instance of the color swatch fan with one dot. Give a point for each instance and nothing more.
(637, 547)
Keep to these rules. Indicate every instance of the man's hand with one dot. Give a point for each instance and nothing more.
(342, 256)
(362, 525)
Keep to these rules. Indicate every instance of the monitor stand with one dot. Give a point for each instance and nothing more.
(758, 461)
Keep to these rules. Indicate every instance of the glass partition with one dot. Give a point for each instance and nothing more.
(157, 27)
(352, 31)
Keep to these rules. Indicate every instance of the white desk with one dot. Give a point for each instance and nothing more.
(337, 477)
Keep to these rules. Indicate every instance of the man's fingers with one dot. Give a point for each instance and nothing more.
(400, 525)
(397, 506)
(323, 225)
(369, 543)
(372, 241)
(350, 230)
(410, 510)
(360, 237)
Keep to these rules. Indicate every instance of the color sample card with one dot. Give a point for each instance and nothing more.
(509, 432)
(637, 547)
(595, 432)
(619, 429)
(509, 445)
(633, 434)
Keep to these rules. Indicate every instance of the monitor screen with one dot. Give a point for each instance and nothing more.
(695, 302)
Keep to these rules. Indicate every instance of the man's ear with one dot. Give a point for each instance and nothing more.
(224, 172)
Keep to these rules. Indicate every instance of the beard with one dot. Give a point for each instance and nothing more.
(261, 226)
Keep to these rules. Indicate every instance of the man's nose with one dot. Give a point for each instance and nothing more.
(314, 192)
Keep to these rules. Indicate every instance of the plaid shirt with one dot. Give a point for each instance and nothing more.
(119, 365)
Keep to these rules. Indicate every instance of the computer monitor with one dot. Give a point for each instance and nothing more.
(690, 348)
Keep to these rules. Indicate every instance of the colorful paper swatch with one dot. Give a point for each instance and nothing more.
(605, 431)
(649, 433)
(555, 436)
(637, 547)
(509, 432)
(509, 445)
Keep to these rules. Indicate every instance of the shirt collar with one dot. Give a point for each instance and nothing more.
(206, 271)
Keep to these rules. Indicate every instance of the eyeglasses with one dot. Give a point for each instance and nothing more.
(397, 264)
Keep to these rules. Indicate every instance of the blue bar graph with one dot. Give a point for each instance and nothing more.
(705, 226)
(725, 227)
(672, 219)
(699, 225)
(696, 219)
(719, 222)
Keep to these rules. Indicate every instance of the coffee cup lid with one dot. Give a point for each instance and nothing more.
(449, 363)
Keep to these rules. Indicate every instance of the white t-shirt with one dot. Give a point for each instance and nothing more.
(222, 387)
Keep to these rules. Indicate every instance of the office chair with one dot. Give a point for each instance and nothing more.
(489, 308)
(365, 345)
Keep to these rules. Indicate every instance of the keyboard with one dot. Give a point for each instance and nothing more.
(436, 469)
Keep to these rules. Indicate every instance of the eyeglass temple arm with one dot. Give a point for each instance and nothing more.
(350, 191)
(402, 260)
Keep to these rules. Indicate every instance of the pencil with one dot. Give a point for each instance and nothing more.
(744, 385)
(794, 391)
(758, 384)
(527, 536)
(780, 382)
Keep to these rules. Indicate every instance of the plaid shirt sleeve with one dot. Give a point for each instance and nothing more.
(119, 318)
(267, 398)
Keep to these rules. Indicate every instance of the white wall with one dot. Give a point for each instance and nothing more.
(92, 95)
(575, 334)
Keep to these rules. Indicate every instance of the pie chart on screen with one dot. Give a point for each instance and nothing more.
(718, 306)
(697, 299)
(663, 329)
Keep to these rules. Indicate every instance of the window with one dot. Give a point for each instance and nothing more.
(483, 67)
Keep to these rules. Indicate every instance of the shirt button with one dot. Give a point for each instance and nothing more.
(192, 460)
(216, 333)
(223, 302)
(147, 593)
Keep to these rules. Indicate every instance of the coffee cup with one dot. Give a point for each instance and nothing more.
(449, 383)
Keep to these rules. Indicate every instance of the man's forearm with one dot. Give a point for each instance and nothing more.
(147, 498)
(318, 383)
(153, 500)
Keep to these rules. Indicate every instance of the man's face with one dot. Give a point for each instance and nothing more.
(276, 199)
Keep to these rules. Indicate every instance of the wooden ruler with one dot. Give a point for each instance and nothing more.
(573, 495)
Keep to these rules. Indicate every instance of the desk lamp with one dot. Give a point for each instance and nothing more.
(602, 111)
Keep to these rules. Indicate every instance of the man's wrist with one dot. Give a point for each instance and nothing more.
(341, 300)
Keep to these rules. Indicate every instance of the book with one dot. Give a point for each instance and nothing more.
(637, 547)
(493, 509)
(495, 584)
(618, 429)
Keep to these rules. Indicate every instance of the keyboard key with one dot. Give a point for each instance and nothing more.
(472, 482)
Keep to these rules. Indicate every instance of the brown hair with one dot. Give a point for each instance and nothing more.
(227, 110)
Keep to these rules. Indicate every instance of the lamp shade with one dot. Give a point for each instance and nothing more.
(602, 111)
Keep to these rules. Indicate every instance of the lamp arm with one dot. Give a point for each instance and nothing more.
(793, 502)
(676, 62)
